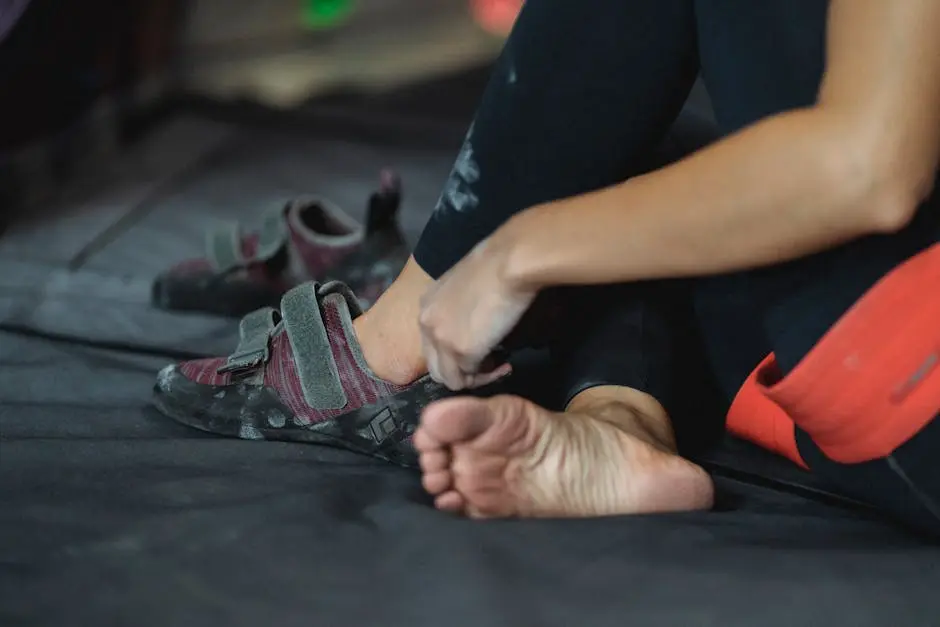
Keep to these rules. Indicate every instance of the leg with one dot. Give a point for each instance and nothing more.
(760, 58)
(613, 449)
(579, 98)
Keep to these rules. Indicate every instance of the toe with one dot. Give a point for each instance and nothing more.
(476, 513)
(456, 420)
(434, 460)
(423, 441)
(450, 502)
(475, 470)
(437, 482)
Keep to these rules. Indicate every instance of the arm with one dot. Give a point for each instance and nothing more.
(856, 163)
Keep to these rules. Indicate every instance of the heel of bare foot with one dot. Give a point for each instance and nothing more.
(507, 457)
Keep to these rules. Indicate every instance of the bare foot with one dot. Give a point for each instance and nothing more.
(505, 456)
(388, 332)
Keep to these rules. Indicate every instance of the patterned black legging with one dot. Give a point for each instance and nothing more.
(580, 97)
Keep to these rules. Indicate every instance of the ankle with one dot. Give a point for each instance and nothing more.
(388, 332)
(387, 356)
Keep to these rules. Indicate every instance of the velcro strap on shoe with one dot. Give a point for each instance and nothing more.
(338, 287)
(313, 355)
(273, 234)
(224, 247)
(224, 244)
(254, 334)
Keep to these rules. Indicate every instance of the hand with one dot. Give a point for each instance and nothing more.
(466, 314)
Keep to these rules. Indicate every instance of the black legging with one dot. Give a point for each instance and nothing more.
(579, 98)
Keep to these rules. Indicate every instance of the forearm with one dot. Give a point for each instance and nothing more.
(784, 188)
(857, 163)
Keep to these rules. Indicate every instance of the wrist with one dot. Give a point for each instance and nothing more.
(518, 260)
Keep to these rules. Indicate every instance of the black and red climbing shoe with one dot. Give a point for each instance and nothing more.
(309, 238)
(298, 374)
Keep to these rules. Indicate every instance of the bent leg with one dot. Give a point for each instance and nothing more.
(579, 97)
(612, 451)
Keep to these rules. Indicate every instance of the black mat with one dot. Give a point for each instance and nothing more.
(114, 516)
(111, 515)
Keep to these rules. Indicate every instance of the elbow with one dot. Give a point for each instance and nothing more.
(893, 208)
(882, 193)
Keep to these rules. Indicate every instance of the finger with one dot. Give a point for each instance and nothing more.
(453, 376)
(486, 366)
(442, 367)
(434, 371)
(497, 357)
(447, 369)
(485, 378)
(431, 358)
(472, 363)
(447, 375)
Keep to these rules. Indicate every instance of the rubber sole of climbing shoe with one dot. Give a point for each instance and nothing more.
(382, 429)
(212, 296)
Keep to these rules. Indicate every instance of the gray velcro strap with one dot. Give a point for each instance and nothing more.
(254, 334)
(273, 234)
(224, 244)
(224, 247)
(338, 287)
(319, 375)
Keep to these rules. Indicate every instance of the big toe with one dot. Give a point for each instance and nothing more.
(455, 421)
(478, 439)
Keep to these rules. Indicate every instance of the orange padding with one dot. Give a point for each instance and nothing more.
(496, 16)
(756, 418)
(869, 385)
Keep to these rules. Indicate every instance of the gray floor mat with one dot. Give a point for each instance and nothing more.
(100, 307)
(258, 170)
(87, 271)
(58, 231)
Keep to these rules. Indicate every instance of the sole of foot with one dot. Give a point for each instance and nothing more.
(507, 457)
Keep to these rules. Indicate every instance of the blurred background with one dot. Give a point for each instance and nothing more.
(81, 80)
(131, 128)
